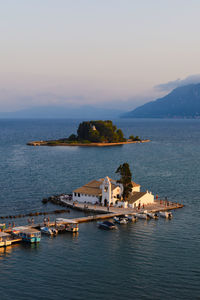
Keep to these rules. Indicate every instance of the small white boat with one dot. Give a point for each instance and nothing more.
(165, 214)
(5, 239)
(46, 230)
(70, 225)
(131, 218)
(55, 231)
(120, 220)
(142, 216)
(152, 215)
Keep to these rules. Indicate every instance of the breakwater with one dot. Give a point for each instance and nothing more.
(32, 214)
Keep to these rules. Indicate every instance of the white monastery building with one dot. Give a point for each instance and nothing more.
(108, 192)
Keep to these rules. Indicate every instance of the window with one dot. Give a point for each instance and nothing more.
(79, 195)
(74, 194)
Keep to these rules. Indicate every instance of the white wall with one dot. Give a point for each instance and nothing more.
(146, 199)
(85, 198)
(122, 203)
(115, 192)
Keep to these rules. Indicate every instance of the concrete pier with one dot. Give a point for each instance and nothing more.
(159, 205)
(101, 213)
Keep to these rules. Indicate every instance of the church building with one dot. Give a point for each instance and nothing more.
(108, 192)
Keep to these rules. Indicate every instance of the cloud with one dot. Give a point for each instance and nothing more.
(166, 87)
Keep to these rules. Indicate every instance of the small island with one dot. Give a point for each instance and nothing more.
(93, 133)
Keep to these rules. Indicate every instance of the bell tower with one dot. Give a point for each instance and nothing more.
(106, 192)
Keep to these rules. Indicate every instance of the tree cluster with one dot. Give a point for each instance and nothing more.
(98, 131)
(134, 138)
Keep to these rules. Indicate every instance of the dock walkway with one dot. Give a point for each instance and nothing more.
(101, 213)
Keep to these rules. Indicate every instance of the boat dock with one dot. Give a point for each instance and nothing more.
(96, 212)
(101, 212)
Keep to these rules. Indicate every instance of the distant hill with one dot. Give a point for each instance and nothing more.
(83, 112)
(182, 102)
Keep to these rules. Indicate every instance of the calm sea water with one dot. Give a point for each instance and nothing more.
(147, 260)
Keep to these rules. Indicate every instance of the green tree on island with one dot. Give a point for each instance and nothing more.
(125, 179)
(131, 137)
(99, 131)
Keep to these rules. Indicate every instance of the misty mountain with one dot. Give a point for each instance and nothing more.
(182, 102)
(83, 112)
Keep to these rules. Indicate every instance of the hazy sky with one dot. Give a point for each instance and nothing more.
(95, 51)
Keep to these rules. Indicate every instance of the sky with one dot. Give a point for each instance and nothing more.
(106, 53)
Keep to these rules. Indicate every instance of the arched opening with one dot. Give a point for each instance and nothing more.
(105, 202)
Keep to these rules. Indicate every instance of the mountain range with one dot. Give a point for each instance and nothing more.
(182, 102)
(83, 112)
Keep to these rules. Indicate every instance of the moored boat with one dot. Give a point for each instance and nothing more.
(165, 214)
(46, 230)
(131, 218)
(120, 220)
(142, 216)
(152, 215)
(106, 225)
(70, 225)
(55, 231)
(5, 239)
(27, 234)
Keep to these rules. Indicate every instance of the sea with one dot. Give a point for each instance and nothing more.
(156, 259)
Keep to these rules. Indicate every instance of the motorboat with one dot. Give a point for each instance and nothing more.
(154, 216)
(55, 231)
(70, 225)
(165, 214)
(27, 234)
(120, 220)
(60, 227)
(46, 230)
(5, 239)
(131, 218)
(151, 215)
(142, 216)
(106, 225)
